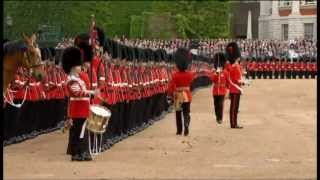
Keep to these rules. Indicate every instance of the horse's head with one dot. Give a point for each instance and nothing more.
(32, 57)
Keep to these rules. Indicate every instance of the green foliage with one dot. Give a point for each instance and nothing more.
(151, 19)
(136, 26)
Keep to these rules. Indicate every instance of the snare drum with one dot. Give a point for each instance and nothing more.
(98, 119)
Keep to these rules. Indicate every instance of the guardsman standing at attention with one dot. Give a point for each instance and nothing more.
(78, 108)
(179, 89)
(235, 82)
(219, 79)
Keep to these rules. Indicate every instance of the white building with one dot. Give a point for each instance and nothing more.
(284, 19)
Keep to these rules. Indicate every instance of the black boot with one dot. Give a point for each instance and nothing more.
(186, 131)
(86, 156)
(76, 157)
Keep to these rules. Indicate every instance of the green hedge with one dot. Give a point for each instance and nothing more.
(131, 18)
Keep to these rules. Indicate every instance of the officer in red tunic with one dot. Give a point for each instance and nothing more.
(78, 109)
(288, 68)
(219, 89)
(259, 67)
(299, 68)
(307, 68)
(179, 89)
(313, 67)
(276, 68)
(282, 67)
(235, 82)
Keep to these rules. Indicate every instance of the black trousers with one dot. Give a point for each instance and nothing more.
(265, 74)
(218, 107)
(234, 107)
(282, 74)
(300, 74)
(259, 74)
(253, 74)
(294, 75)
(307, 74)
(270, 74)
(288, 74)
(77, 145)
(313, 74)
(186, 117)
(276, 74)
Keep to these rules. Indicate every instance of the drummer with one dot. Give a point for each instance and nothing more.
(78, 108)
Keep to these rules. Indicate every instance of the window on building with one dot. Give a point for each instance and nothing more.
(308, 2)
(308, 30)
(284, 30)
(285, 3)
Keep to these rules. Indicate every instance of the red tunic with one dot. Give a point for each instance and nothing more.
(220, 81)
(181, 79)
(18, 84)
(234, 78)
(79, 98)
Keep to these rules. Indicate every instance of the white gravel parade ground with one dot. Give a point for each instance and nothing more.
(278, 142)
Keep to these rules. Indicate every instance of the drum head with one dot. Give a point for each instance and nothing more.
(100, 110)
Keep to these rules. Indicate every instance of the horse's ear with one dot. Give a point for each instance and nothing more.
(33, 38)
(26, 38)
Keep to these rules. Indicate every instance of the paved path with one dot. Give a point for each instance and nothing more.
(278, 141)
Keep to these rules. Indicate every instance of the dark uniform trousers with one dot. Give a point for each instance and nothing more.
(288, 74)
(282, 73)
(276, 74)
(186, 117)
(270, 74)
(253, 74)
(259, 73)
(76, 145)
(234, 107)
(218, 106)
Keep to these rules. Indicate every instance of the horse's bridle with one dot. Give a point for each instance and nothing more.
(28, 61)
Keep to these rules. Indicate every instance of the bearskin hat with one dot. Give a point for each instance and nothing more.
(71, 57)
(43, 54)
(219, 60)
(53, 51)
(232, 52)
(82, 42)
(101, 36)
(182, 58)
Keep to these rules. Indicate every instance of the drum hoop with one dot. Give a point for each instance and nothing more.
(99, 106)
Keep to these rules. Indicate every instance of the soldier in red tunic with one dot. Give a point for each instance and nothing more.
(78, 109)
(179, 89)
(276, 68)
(282, 67)
(219, 89)
(235, 81)
(288, 68)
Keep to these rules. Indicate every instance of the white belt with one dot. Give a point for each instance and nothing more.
(130, 85)
(102, 78)
(19, 82)
(32, 84)
(79, 98)
(59, 85)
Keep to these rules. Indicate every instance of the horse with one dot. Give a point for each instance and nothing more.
(21, 53)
